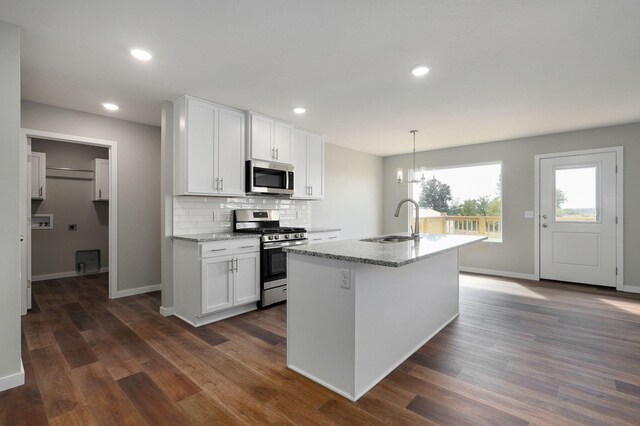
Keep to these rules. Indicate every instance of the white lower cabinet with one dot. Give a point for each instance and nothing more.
(217, 284)
(215, 280)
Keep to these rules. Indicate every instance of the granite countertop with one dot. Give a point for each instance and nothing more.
(386, 254)
(222, 236)
(314, 230)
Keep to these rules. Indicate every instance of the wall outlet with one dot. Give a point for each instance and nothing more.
(528, 214)
(73, 227)
(345, 278)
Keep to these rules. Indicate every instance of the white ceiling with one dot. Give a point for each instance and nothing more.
(500, 69)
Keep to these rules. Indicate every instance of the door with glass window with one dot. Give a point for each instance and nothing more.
(578, 218)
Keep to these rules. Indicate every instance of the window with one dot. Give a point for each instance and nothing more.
(575, 194)
(464, 200)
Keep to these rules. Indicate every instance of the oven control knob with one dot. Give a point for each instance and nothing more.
(287, 236)
(276, 237)
(270, 237)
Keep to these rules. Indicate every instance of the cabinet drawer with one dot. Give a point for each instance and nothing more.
(323, 237)
(274, 295)
(229, 247)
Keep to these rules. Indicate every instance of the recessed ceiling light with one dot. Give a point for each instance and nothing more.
(110, 106)
(141, 54)
(420, 70)
(299, 110)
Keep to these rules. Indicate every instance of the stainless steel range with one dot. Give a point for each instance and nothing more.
(273, 260)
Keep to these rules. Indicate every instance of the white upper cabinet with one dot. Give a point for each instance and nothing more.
(308, 163)
(100, 180)
(209, 151)
(282, 142)
(231, 152)
(38, 176)
(269, 139)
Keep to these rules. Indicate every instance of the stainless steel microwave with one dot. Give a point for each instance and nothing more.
(264, 177)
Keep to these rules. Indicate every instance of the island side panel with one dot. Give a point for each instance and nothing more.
(398, 310)
(321, 322)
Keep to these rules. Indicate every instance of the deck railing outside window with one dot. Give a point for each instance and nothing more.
(491, 226)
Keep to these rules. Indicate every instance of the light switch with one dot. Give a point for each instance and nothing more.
(528, 214)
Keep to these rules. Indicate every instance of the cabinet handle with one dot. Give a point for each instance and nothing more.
(332, 238)
(40, 192)
(246, 247)
(222, 184)
(273, 151)
(99, 194)
(231, 265)
(277, 153)
(236, 261)
(217, 184)
(222, 249)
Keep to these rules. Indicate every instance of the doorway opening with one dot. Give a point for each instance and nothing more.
(69, 205)
(579, 217)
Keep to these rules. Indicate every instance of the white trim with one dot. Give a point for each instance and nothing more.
(631, 289)
(27, 134)
(167, 312)
(322, 382)
(12, 380)
(619, 151)
(58, 275)
(137, 290)
(494, 272)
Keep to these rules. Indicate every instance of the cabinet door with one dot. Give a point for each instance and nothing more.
(262, 133)
(202, 119)
(315, 164)
(282, 142)
(247, 279)
(101, 180)
(299, 155)
(230, 160)
(217, 284)
(38, 175)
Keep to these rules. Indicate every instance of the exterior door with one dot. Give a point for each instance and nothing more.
(578, 218)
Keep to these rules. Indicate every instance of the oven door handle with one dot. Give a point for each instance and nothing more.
(269, 246)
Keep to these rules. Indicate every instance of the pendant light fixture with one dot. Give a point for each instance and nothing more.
(412, 174)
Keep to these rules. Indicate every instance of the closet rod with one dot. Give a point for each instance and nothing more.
(68, 169)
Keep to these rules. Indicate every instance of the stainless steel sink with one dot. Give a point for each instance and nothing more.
(389, 239)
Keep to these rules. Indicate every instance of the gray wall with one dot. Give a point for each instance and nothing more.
(70, 201)
(353, 196)
(516, 252)
(10, 196)
(138, 184)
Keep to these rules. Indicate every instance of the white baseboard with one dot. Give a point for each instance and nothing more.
(167, 312)
(58, 275)
(138, 290)
(507, 274)
(631, 289)
(12, 380)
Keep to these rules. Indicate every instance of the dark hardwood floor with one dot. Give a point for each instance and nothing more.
(520, 352)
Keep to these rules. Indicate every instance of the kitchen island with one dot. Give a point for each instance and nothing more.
(358, 308)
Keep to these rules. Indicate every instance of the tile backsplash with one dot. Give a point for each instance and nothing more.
(199, 215)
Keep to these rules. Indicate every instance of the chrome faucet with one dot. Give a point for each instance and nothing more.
(415, 230)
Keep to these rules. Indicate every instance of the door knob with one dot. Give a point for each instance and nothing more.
(544, 225)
